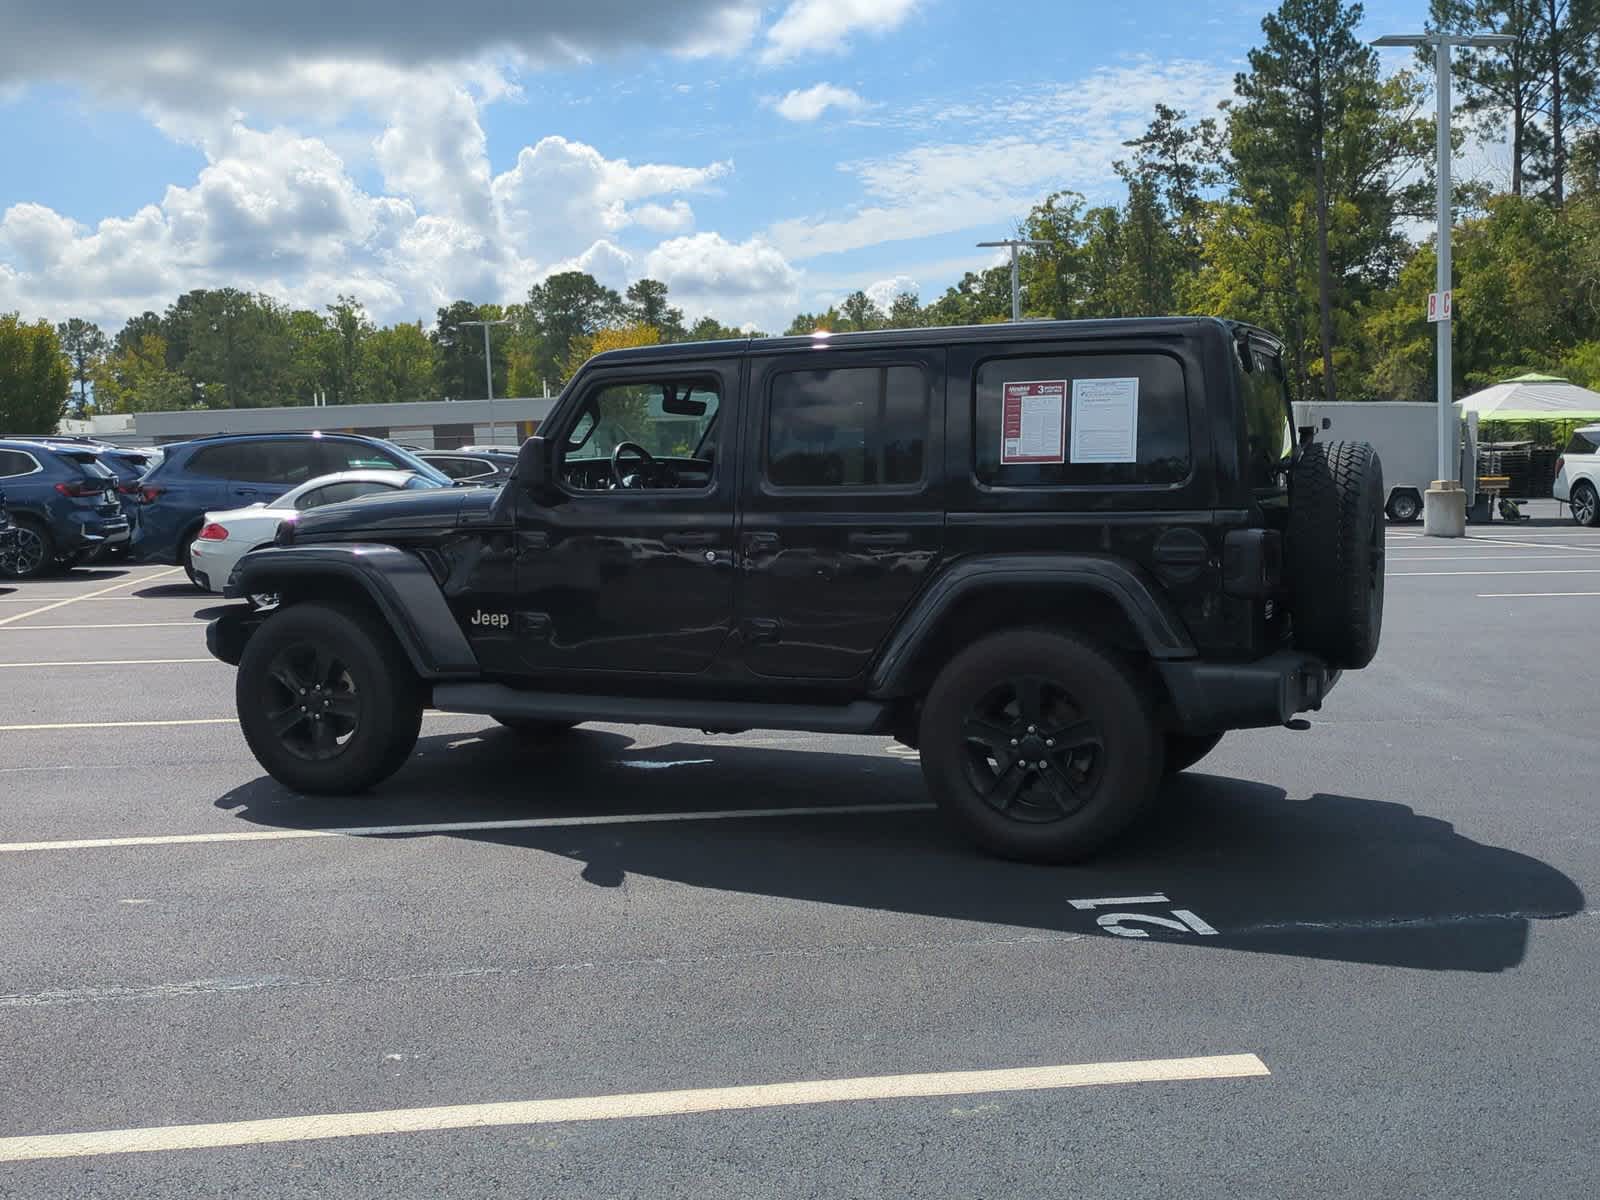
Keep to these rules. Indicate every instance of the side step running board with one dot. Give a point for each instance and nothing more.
(725, 716)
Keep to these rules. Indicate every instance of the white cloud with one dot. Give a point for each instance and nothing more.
(811, 103)
(709, 264)
(561, 195)
(1025, 145)
(824, 26)
(882, 292)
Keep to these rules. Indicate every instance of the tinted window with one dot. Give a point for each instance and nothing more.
(1584, 441)
(1133, 408)
(847, 427)
(1269, 421)
(243, 461)
(335, 493)
(332, 456)
(14, 462)
(461, 468)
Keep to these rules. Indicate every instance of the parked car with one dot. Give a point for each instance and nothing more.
(473, 466)
(226, 537)
(1059, 558)
(64, 504)
(8, 535)
(230, 471)
(1578, 475)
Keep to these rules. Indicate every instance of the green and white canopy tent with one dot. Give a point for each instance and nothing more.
(1534, 398)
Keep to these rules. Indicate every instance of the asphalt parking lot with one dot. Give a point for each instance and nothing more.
(644, 962)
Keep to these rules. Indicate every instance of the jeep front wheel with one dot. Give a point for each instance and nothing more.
(1039, 747)
(327, 701)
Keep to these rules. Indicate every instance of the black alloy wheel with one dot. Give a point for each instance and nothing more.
(29, 555)
(312, 703)
(1031, 754)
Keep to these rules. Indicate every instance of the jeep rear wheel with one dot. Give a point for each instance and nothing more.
(327, 701)
(1039, 747)
(1335, 555)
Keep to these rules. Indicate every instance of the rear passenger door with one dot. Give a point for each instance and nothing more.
(841, 514)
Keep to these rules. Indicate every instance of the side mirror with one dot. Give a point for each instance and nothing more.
(533, 474)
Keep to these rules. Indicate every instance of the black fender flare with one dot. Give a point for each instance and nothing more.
(1151, 614)
(398, 583)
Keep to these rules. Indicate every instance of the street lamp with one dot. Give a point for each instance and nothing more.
(488, 371)
(1445, 509)
(1016, 285)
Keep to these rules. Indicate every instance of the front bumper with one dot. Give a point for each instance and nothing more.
(1210, 697)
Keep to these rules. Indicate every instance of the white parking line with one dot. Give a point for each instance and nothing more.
(363, 831)
(1528, 595)
(1434, 558)
(1556, 571)
(117, 724)
(108, 662)
(629, 1105)
(190, 624)
(88, 595)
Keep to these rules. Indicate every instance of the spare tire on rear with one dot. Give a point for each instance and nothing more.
(1335, 553)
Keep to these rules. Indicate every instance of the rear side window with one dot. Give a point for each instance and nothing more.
(1268, 419)
(15, 462)
(1584, 441)
(246, 462)
(1081, 420)
(847, 427)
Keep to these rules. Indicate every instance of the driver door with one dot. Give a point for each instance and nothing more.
(632, 568)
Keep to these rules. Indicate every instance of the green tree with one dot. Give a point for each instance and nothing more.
(236, 348)
(905, 311)
(458, 350)
(1306, 81)
(861, 313)
(136, 330)
(647, 305)
(567, 306)
(805, 324)
(709, 329)
(398, 365)
(84, 342)
(350, 329)
(135, 378)
(35, 378)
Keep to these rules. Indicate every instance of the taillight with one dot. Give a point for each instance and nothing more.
(1561, 464)
(149, 494)
(128, 489)
(213, 533)
(80, 491)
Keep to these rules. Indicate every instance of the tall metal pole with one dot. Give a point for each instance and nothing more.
(1016, 287)
(1448, 456)
(1016, 244)
(488, 383)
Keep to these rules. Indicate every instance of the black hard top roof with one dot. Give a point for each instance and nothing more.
(883, 339)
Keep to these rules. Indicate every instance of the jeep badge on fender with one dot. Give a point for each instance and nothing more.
(1059, 559)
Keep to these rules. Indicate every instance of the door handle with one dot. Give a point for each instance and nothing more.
(691, 539)
(754, 542)
(869, 540)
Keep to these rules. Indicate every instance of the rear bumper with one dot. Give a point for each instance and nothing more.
(1210, 697)
(95, 532)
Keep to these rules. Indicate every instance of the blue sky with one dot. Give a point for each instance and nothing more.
(761, 158)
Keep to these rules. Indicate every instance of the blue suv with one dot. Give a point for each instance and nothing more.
(64, 504)
(238, 470)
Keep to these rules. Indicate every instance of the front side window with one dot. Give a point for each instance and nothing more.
(847, 427)
(668, 419)
(1083, 420)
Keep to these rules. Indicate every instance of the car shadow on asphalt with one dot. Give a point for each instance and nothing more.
(158, 591)
(1322, 877)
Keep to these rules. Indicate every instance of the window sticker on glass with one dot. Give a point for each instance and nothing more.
(1105, 420)
(1032, 419)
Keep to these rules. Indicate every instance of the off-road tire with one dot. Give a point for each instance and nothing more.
(1334, 563)
(387, 692)
(1097, 689)
(1184, 750)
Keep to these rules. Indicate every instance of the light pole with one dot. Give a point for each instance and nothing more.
(1445, 507)
(488, 371)
(1016, 283)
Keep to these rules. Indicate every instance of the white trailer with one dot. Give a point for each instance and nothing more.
(1406, 437)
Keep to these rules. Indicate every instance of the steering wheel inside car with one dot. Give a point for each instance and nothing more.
(633, 450)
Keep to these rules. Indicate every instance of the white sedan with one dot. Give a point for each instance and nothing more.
(226, 537)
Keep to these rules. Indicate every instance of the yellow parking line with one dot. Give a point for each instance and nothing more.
(628, 1105)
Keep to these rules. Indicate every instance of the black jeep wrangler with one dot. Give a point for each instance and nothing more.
(1060, 558)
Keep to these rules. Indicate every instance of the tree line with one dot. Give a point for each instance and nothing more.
(1302, 205)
